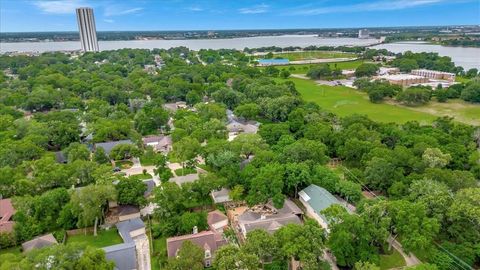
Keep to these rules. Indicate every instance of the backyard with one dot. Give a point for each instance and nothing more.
(393, 260)
(104, 238)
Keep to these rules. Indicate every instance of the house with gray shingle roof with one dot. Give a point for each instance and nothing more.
(269, 218)
(108, 146)
(123, 255)
(134, 253)
(316, 199)
(221, 196)
(39, 242)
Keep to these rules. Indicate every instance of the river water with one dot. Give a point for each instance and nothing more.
(465, 57)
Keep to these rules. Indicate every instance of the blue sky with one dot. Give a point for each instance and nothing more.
(111, 15)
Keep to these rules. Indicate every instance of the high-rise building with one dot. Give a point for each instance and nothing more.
(87, 29)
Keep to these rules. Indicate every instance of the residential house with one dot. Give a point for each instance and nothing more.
(39, 242)
(217, 221)
(173, 107)
(269, 218)
(221, 196)
(236, 126)
(151, 206)
(134, 253)
(127, 212)
(185, 178)
(209, 241)
(159, 143)
(108, 146)
(6, 214)
(316, 199)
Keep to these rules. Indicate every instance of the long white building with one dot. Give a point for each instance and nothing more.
(87, 29)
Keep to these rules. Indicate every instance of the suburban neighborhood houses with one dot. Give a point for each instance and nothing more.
(108, 161)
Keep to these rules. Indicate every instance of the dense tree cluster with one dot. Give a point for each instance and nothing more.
(426, 175)
(409, 60)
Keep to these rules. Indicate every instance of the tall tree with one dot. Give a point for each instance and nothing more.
(189, 257)
(89, 204)
(262, 244)
(230, 257)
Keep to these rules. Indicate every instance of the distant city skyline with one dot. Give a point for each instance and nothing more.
(151, 15)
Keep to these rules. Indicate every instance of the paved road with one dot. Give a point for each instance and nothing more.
(139, 170)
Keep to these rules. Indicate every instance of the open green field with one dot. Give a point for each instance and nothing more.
(303, 69)
(460, 110)
(294, 56)
(344, 101)
(104, 238)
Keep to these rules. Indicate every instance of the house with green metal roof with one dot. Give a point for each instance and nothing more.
(316, 199)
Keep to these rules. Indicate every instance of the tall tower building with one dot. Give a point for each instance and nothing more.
(87, 29)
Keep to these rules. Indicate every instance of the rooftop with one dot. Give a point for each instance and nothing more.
(221, 195)
(124, 256)
(270, 218)
(398, 77)
(127, 226)
(107, 146)
(185, 179)
(215, 217)
(202, 239)
(318, 198)
(39, 242)
(6, 213)
(150, 185)
(273, 61)
(432, 71)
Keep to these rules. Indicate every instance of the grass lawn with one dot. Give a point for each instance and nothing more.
(391, 261)
(303, 69)
(461, 79)
(142, 176)
(462, 111)
(148, 160)
(124, 164)
(104, 238)
(344, 101)
(182, 172)
(159, 252)
(293, 56)
(205, 167)
(14, 250)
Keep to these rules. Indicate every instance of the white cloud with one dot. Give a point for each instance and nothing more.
(370, 6)
(118, 10)
(108, 20)
(255, 9)
(195, 8)
(59, 6)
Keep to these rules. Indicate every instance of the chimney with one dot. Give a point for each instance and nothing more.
(195, 230)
